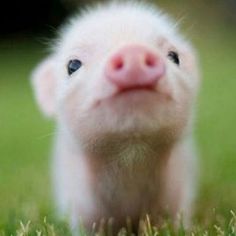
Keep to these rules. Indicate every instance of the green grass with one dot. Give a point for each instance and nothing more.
(25, 141)
(50, 228)
(24, 144)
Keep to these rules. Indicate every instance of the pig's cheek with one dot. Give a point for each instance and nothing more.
(69, 110)
(177, 102)
(187, 90)
(184, 100)
(167, 87)
(76, 113)
(178, 84)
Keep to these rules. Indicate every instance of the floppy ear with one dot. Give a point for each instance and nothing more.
(44, 85)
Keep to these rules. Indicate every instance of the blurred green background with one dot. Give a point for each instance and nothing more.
(26, 137)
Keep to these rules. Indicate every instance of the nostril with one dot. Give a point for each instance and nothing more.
(150, 60)
(118, 63)
(133, 67)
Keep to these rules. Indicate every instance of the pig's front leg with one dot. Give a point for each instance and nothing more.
(179, 181)
(72, 184)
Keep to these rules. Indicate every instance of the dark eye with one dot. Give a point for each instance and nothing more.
(73, 66)
(173, 56)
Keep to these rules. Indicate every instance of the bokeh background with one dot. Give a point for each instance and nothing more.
(26, 137)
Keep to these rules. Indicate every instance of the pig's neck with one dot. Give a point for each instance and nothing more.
(130, 153)
(127, 152)
(116, 175)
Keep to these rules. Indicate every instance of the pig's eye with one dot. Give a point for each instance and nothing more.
(73, 66)
(173, 56)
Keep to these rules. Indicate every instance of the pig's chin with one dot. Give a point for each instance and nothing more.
(124, 119)
(128, 115)
(123, 115)
(128, 100)
(113, 132)
(129, 110)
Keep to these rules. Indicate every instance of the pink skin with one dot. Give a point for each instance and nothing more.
(134, 67)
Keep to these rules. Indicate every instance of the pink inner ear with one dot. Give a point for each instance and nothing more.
(44, 86)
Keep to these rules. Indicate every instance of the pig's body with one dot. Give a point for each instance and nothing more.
(108, 188)
(124, 115)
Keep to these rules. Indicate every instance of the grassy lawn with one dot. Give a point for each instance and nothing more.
(24, 134)
(25, 138)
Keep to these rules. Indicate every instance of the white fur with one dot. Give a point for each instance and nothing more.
(128, 156)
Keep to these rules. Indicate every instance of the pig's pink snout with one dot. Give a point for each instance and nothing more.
(134, 67)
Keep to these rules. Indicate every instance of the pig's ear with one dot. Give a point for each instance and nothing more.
(44, 85)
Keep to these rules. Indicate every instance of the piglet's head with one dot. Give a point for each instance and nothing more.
(116, 70)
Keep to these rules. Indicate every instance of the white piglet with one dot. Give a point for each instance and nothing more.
(121, 84)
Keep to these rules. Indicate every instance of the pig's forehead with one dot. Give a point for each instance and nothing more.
(115, 23)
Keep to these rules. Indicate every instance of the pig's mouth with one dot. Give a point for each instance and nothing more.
(132, 95)
(137, 88)
(134, 91)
